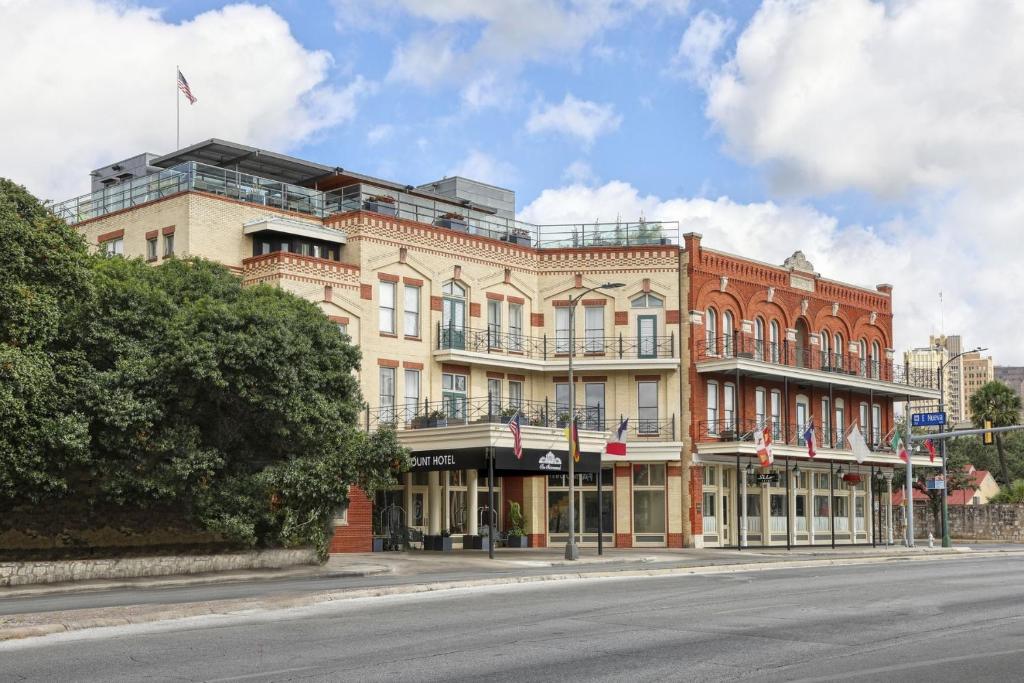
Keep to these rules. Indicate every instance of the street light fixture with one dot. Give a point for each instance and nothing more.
(946, 541)
(572, 551)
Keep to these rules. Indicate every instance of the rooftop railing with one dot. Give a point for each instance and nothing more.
(790, 354)
(493, 341)
(453, 215)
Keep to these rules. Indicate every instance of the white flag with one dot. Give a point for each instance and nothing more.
(857, 443)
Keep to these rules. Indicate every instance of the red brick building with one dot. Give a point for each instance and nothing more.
(782, 349)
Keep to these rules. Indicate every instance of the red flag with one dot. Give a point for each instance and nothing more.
(931, 449)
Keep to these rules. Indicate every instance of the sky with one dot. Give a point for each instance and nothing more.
(883, 139)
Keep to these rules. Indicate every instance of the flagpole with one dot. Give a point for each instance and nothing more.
(177, 109)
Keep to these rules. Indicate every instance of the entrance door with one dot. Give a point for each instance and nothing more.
(453, 396)
(723, 521)
(647, 330)
(453, 317)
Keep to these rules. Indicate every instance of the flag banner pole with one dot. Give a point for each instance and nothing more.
(600, 510)
(490, 504)
(177, 109)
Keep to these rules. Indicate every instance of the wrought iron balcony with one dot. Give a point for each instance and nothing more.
(493, 341)
(788, 434)
(789, 354)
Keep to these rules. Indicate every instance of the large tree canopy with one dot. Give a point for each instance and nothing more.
(236, 405)
(997, 403)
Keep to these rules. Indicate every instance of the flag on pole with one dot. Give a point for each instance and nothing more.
(183, 87)
(617, 444)
(574, 440)
(857, 443)
(899, 447)
(763, 443)
(517, 436)
(809, 439)
(931, 449)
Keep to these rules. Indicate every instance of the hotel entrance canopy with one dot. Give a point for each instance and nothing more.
(534, 461)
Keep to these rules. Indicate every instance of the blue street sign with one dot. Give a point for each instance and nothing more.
(927, 419)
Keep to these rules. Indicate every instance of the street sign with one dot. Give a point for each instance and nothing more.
(936, 484)
(927, 419)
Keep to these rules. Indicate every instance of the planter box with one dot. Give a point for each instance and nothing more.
(382, 208)
(378, 545)
(521, 240)
(429, 423)
(438, 543)
(517, 542)
(453, 224)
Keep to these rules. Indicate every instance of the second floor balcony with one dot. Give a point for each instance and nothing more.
(492, 346)
(778, 360)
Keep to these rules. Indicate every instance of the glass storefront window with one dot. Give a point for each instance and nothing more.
(777, 504)
(648, 474)
(840, 506)
(649, 512)
(709, 475)
(753, 505)
(821, 506)
(558, 512)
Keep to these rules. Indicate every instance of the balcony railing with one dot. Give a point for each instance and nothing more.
(452, 215)
(791, 355)
(456, 410)
(726, 430)
(493, 341)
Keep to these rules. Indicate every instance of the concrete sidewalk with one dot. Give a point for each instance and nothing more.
(417, 572)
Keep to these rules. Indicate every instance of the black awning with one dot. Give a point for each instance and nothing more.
(534, 461)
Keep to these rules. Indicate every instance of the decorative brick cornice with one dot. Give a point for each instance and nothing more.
(387, 277)
(112, 235)
(494, 296)
(412, 365)
(387, 363)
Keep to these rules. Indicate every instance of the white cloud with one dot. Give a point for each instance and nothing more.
(106, 72)
(917, 101)
(485, 91)
(701, 42)
(576, 118)
(579, 172)
(980, 301)
(483, 167)
(380, 133)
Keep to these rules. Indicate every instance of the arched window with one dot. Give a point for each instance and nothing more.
(838, 352)
(876, 361)
(773, 341)
(727, 332)
(862, 351)
(453, 316)
(711, 332)
(826, 355)
(759, 338)
(646, 300)
(841, 424)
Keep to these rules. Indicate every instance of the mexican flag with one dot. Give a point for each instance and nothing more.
(899, 447)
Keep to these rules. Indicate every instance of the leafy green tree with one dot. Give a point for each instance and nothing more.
(44, 288)
(998, 403)
(1013, 493)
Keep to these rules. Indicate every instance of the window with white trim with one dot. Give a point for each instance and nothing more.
(776, 414)
(412, 311)
(386, 306)
(412, 393)
(647, 407)
(387, 395)
(515, 327)
(712, 404)
(729, 406)
(760, 412)
(594, 328)
(711, 332)
(646, 300)
(562, 330)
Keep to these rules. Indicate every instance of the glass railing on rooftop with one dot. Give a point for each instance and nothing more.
(452, 215)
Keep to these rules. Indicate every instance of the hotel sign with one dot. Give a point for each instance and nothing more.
(505, 462)
(763, 479)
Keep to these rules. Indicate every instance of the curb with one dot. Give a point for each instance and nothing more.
(122, 616)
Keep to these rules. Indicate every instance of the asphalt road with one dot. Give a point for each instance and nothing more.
(919, 621)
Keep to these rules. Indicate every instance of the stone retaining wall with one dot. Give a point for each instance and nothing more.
(991, 522)
(27, 573)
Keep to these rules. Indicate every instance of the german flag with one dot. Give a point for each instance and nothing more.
(574, 441)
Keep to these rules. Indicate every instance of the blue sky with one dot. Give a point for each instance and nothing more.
(884, 138)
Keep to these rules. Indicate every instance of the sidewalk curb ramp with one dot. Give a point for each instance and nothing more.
(63, 622)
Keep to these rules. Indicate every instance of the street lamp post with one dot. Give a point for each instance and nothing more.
(572, 551)
(946, 541)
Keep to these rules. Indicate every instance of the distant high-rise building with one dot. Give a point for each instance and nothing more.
(938, 353)
(978, 371)
(1013, 377)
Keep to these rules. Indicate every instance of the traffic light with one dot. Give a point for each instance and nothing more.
(986, 438)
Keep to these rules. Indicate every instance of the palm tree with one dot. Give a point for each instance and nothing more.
(998, 403)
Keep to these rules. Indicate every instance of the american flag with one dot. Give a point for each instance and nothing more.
(517, 437)
(183, 87)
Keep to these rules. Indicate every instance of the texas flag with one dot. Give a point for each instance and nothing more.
(617, 444)
(809, 439)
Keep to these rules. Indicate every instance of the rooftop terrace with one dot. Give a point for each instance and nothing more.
(361, 196)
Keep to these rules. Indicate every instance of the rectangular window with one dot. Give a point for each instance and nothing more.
(387, 307)
(151, 249)
(593, 394)
(168, 245)
(759, 407)
(729, 407)
(826, 427)
(594, 326)
(387, 395)
(412, 311)
(114, 247)
(343, 328)
(712, 415)
(412, 393)
(515, 394)
(876, 424)
(840, 508)
(776, 415)
(515, 327)
(562, 330)
(647, 408)
(494, 396)
(648, 474)
(864, 426)
(562, 404)
(493, 324)
(709, 475)
(841, 426)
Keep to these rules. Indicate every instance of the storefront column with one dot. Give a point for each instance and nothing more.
(407, 499)
(810, 509)
(888, 504)
(743, 509)
(535, 510)
(794, 480)
(623, 507)
(434, 503)
(472, 495)
(851, 512)
(674, 495)
(446, 499)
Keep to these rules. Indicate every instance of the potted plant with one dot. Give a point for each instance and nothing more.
(562, 420)
(453, 221)
(516, 526)
(435, 418)
(507, 413)
(519, 236)
(443, 543)
(381, 203)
